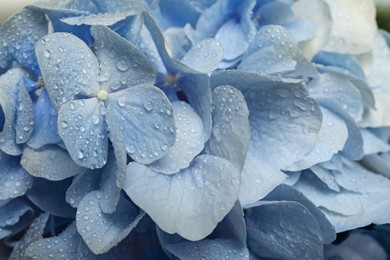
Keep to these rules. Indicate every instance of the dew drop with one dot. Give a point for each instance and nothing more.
(122, 101)
(46, 53)
(64, 124)
(148, 106)
(123, 65)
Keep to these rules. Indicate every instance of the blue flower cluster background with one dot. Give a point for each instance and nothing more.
(181, 129)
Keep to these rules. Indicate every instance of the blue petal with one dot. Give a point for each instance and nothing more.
(352, 207)
(204, 56)
(110, 192)
(230, 23)
(135, 112)
(50, 197)
(81, 186)
(288, 193)
(68, 67)
(178, 12)
(122, 65)
(284, 124)
(331, 139)
(34, 233)
(230, 136)
(11, 83)
(178, 41)
(116, 6)
(45, 128)
(61, 246)
(20, 34)
(14, 180)
(141, 243)
(188, 144)
(190, 202)
(372, 144)
(345, 61)
(272, 235)
(208, 249)
(102, 231)
(338, 90)
(51, 162)
(273, 51)
(82, 128)
(273, 12)
(15, 216)
(325, 176)
(25, 115)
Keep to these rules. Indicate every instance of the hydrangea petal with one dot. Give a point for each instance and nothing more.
(347, 209)
(51, 162)
(14, 180)
(15, 216)
(82, 127)
(288, 193)
(188, 144)
(45, 128)
(275, 52)
(10, 83)
(34, 233)
(325, 176)
(295, 236)
(208, 249)
(64, 78)
(354, 26)
(62, 246)
(106, 230)
(230, 135)
(204, 56)
(20, 34)
(50, 197)
(115, 6)
(331, 139)
(190, 202)
(110, 192)
(135, 112)
(373, 144)
(25, 115)
(81, 185)
(121, 63)
(178, 13)
(338, 90)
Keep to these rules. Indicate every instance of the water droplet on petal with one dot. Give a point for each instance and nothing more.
(148, 106)
(46, 53)
(64, 124)
(122, 101)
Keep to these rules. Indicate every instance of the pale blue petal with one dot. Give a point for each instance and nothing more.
(288, 193)
(189, 140)
(353, 148)
(273, 12)
(273, 51)
(10, 83)
(196, 88)
(110, 192)
(135, 112)
(302, 30)
(25, 115)
(141, 243)
(345, 61)
(50, 197)
(283, 230)
(15, 216)
(338, 90)
(14, 180)
(178, 13)
(122, 65)
(258, 178)
(81, 186)
(45, 128)
(208, 249)
(20, 34)
(373, 144)
(106, 19)
(115, 6)
(34, 233)
(230, 135)
(106, 230)
(68, 67)
(331, 139)
(178, 41)
(190, 202)
(326, 176)
(61, 246)
(352, 208)
(82, 127)
(204, 56)
(50, 162)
